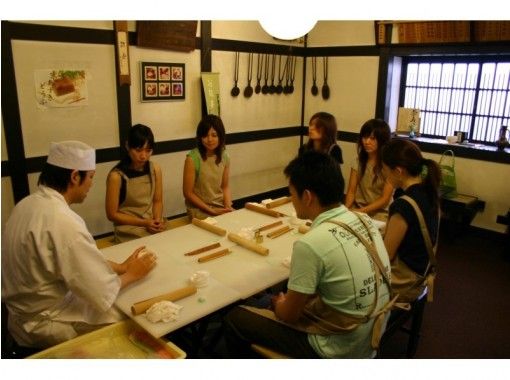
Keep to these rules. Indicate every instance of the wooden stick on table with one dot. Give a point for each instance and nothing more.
(262, 210)
(203, 249)
(142, 306)
(279, 232)
(214, 255)
(248, 244)
(269, 226)
(209, 227)
(278, 202)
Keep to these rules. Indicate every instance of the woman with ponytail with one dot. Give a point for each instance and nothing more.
(417, 181)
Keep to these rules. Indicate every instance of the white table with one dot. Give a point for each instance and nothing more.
(234, 277)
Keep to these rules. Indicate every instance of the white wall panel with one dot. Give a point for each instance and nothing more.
(259, 111)
(342, 33)
(95, 124)
(173, 119)
(246, 31)
(353, 88)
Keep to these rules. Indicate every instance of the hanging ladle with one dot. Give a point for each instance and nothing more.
(315, 89)
(279, 88)
(325, 87)
(272, 88)
(248, 91)
(265, 87)
(235, 90)
(259, 75)
(293, 73)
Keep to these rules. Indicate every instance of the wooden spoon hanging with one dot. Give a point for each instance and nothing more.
(235, 90)
(292, 74)
(325, 87)
(259, 75)
(248, 91)
(286, 88)
(315, 89)
(265, 87)
(279, 88)
(272, 88)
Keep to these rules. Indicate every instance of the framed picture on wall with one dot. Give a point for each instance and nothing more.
(162, 81)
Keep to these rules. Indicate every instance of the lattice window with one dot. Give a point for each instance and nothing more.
(469, 95)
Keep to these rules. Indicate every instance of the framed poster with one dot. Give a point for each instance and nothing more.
(162, 81)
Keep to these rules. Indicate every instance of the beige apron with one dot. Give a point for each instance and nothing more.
(138, 202)
(368, 192)
(320, 318)
(208, 187)
(404, 281)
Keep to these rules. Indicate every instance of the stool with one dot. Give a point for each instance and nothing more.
(397, 320)
(268, 353)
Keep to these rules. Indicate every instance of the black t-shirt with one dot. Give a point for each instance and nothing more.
(412, 249)
(334, 151)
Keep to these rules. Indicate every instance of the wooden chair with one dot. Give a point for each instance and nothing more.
(398, 321)
(268, 353)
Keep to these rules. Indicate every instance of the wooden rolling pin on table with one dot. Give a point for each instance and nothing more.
(262, 210)
(209, 227)
(248, 244)
(142, 306)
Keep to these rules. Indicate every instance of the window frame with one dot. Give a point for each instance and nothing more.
(449, 58)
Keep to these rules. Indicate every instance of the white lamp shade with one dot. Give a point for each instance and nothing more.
(287, 29)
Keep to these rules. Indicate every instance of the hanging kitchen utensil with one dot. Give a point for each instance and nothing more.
(325, 87)
(272, 88)
(235, 90)
(259, 75)
(286, 88)
(279, 88)
(293, 74)
(265, 87)
(248, 91)
(315, 89)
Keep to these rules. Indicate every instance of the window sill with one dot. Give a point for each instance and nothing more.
(466, 150)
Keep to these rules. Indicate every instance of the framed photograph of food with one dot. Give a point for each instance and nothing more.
(162, 81)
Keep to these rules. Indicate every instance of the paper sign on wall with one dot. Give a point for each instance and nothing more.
(211, 91)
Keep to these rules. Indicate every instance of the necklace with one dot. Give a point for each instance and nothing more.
(272, 88)
(265, 87)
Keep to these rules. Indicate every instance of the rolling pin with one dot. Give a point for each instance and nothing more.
(203, 249)
(214, 255)
(209, 227)
(262, 210)
(248, 244)
(279, 232)
(278, 202)
(269, 226)
(142, 306)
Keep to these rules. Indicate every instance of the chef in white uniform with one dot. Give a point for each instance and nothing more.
(56, 284)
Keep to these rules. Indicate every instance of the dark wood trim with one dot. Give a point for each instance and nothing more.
(256, 47)
(34, 32)
(342, 51)
(469, 48)
(383, 86)
(205, 58)
(12, 120)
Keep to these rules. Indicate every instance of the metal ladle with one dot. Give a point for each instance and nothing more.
(235, 90)
(248, 91)
(315, 89)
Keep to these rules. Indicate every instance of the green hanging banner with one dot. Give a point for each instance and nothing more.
(211, 87)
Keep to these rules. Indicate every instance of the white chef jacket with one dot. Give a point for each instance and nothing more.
(54, 279)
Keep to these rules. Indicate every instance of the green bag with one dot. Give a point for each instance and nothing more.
(448, 186)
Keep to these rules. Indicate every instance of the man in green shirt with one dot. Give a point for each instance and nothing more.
(338, 282)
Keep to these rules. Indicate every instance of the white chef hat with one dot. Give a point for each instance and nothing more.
(72, 155)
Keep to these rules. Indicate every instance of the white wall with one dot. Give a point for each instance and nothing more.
(256, 166)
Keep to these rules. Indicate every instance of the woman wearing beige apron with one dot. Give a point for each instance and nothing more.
(206, 172)
(413, 224)
(368, 191)
(134, 195)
